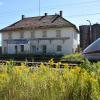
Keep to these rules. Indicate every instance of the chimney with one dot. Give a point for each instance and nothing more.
(61, 13)
(23, 16)
(45, 14)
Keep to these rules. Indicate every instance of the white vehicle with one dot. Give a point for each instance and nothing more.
(92, 52)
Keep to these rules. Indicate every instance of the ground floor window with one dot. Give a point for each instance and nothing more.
(5, 49)
(16, 49)
(44, 48)
(33, 49)
(59, 48)
(22, 48)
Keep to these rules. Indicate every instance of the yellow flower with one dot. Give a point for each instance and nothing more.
(77, 69)
(66, 66)
(21, 69)
(4, 75)
(51, 62)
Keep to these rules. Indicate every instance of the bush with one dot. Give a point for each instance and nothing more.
(74, 57)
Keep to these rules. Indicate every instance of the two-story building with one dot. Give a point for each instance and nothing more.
(48, 34)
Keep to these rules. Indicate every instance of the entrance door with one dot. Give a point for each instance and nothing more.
(22, 48)
(16, 49)
(33, 49)
(44, 49)
(5, 50)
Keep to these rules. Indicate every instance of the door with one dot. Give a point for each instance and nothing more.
(33, 49)
(5, 50)
(22, 48)
(16, 49)
(44, 49)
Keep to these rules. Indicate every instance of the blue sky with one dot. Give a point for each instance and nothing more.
(76, 11)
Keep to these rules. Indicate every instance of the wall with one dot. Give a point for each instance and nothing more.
(68, 45)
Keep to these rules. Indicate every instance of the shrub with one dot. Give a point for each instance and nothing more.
(74, 57)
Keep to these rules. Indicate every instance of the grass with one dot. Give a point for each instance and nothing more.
(74, 57)
(46, 83)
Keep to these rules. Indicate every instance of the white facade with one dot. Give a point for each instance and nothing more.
(40, 41)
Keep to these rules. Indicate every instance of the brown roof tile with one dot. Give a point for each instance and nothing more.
(49, 21)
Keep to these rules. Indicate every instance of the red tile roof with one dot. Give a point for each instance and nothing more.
(49, 21)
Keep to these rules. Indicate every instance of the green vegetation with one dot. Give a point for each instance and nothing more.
(46, 83)
(74, 57)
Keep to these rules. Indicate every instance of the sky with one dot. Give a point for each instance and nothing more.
(75, 11)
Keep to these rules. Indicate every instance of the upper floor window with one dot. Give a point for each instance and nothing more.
(59, 48)
(44, 34)
(58, 33)
(22, 35)
(10, 36)
(33, 34)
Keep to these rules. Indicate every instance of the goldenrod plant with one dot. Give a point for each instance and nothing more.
(47, 83)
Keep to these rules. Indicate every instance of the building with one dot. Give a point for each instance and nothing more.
(85, 37)
(48, 34)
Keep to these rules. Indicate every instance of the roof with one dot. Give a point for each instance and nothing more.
(39, 22)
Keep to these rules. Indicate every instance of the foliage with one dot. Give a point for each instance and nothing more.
(74, 57)
(47, 83)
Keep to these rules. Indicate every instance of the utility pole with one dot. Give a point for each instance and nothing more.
(90, 31)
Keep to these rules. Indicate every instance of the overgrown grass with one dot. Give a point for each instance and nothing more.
(47, 83)
(74, 57)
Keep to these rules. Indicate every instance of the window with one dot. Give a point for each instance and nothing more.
(59, 48)
(44, 34)
(58, 33)
(22, 35)
(33, 49)
(22, 48)
(44, 48)
(16, 49)
(33, 34)
(5, 49)
(10, 35)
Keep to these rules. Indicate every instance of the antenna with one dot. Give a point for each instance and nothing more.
(39, 8)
